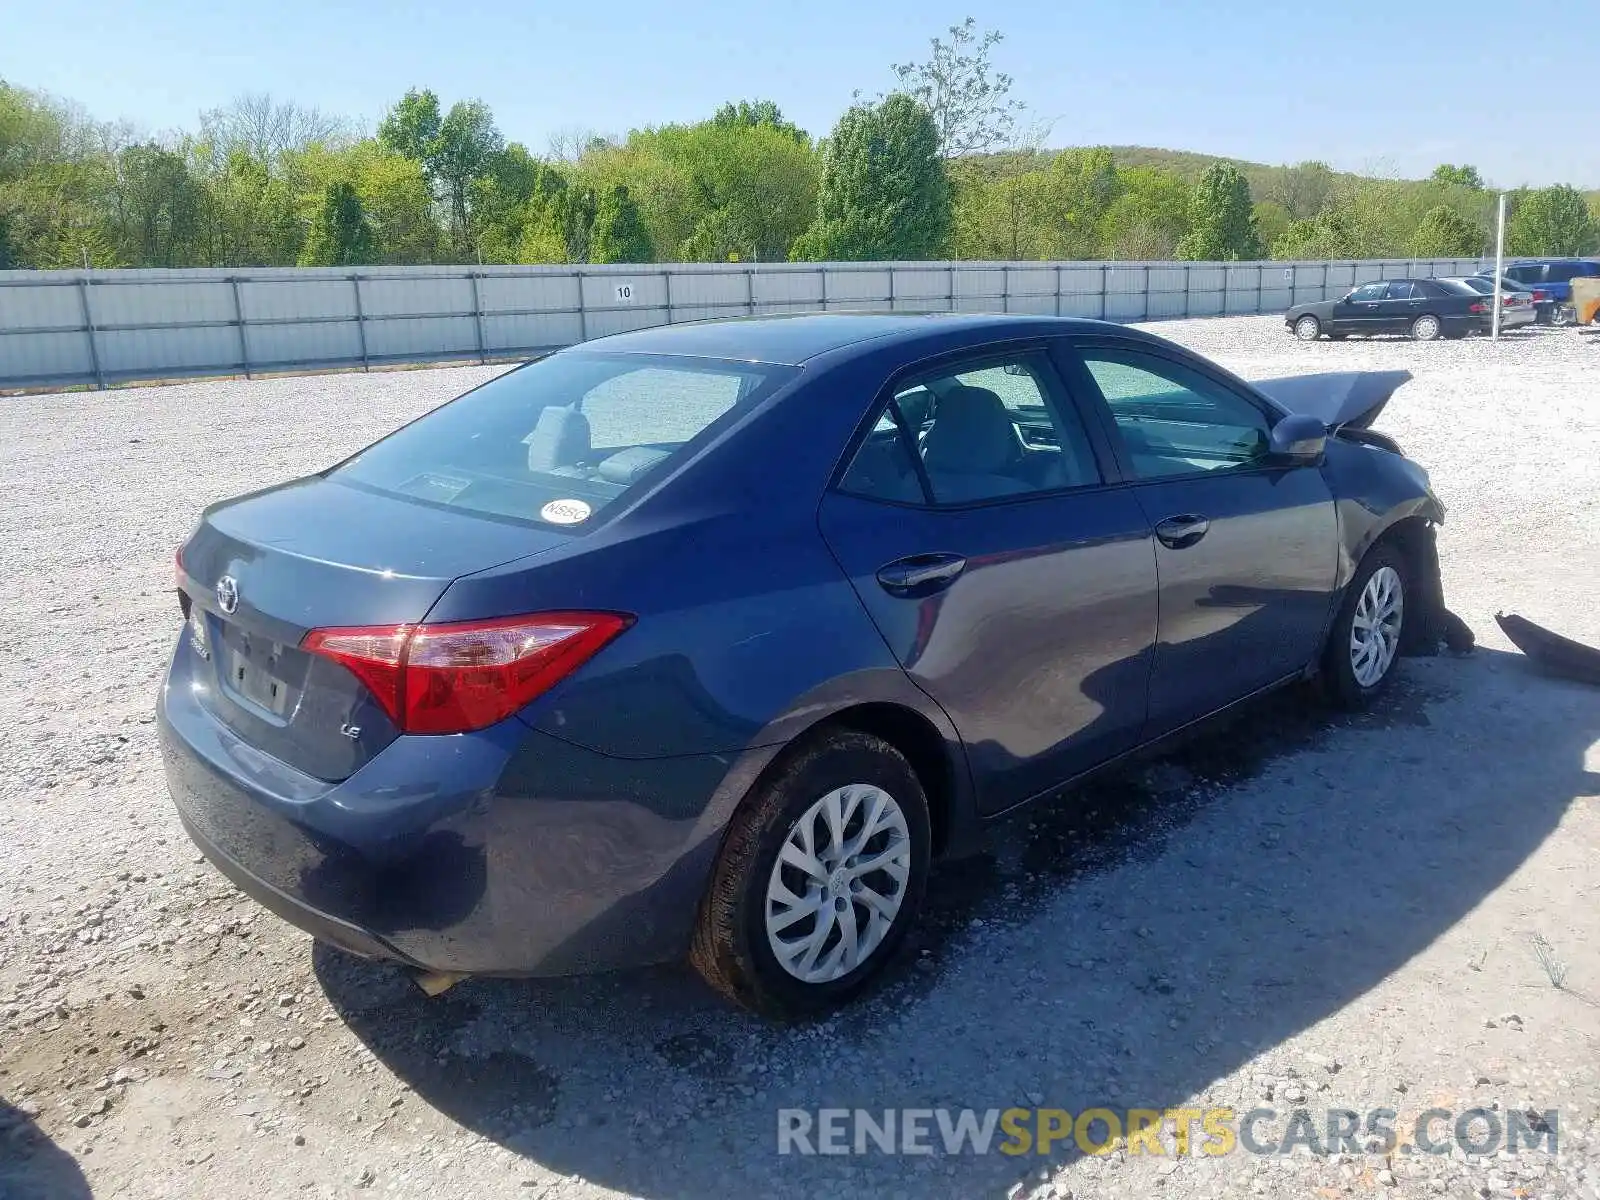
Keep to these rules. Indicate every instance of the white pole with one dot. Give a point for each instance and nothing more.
(1499, 260)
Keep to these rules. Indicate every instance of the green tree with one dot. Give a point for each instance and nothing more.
(158, 208)
(750, 114)
(969, 100)
(619, 234)
(455, 150)
(250, 217)
(341, 236)
(1303, 189)
(466, 148)
(1149, 216)
(884, 192)
(1445, 233)
(1272, 221)
(715, 188)
(412, 126)
(1220, 223)
(1464, 176)
(1552, 220)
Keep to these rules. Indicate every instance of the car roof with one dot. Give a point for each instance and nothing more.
(793, 338)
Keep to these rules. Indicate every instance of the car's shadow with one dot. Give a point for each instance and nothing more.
(1126, 946)
(32, 1167)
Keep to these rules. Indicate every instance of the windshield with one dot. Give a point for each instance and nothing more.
(558, 440)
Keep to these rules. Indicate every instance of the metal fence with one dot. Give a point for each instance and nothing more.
(62, 328)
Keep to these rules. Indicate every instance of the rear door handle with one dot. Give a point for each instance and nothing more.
(920, 574)
(1182, 531)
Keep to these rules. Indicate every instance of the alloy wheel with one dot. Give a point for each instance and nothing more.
(838, 883)
(1375, 627)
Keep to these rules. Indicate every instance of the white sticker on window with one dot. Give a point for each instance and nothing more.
(565, 512)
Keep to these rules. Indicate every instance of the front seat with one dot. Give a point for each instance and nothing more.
(972, 451)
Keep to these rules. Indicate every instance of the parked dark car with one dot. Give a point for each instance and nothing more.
(1422, 308)
(707, 639)
(1553, 276)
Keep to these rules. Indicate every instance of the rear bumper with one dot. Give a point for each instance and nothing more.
(1516, 318)
(505, 852)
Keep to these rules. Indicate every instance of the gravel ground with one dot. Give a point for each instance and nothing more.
(1301, 912)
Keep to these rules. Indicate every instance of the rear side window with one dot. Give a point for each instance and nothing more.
(1565, 272)
(1404, 289)
(1526, 272)
(993, 430)
(560, 439)
(883, 468)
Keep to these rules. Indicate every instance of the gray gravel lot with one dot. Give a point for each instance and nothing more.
(1301, 911)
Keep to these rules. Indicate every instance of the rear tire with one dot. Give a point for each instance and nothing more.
(1308, 328)
(787, 940)
(1426, 328)
(1364, 644)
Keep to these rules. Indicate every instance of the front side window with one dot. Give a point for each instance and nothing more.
(1368, 292)
(987, 431)
(1174, 420)
(561, 438)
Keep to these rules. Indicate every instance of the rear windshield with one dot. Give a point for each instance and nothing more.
(1461, 287)
(558, 440)
(1477, 284)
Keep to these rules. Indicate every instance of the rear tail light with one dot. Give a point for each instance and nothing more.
(1477, 306)
(1539, 297)
(459, 676)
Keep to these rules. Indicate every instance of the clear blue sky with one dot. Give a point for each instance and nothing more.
(1393, 87)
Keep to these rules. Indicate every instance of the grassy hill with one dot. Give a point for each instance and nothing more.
(1191, 165)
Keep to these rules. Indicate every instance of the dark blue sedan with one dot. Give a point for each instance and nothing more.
(708, 639)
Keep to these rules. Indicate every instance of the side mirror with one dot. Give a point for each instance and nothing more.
(1298, 440)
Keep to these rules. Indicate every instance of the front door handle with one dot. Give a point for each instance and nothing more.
(920, 574)
(1181, 532)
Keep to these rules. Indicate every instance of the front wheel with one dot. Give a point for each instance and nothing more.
(1426, 327)
(1366, 635)
(1308, 328)
(820, 876)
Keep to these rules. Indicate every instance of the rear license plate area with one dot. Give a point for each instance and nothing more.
(255, 671)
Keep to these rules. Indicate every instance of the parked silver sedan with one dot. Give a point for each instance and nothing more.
(1516, 305)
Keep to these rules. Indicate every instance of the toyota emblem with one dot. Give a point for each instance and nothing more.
(227, 593)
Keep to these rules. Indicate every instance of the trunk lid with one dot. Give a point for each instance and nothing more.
(261, 571)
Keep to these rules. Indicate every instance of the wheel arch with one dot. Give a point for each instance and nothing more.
(1413, 536)
(931, 746)
(937, 764)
